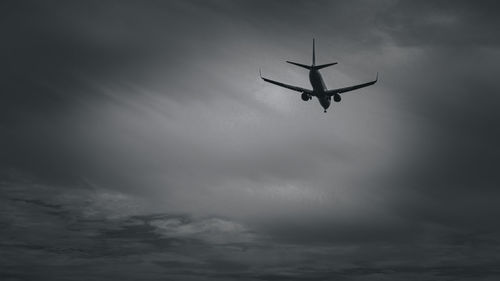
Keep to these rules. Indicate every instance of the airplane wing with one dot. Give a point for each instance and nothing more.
(351, 88)
(294, 88)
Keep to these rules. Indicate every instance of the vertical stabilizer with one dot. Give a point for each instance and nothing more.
(314, 55)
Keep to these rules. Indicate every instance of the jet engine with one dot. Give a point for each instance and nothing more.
(337, 98)
(305, 96)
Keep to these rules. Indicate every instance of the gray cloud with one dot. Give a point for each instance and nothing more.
(156, 108)
(89, 239)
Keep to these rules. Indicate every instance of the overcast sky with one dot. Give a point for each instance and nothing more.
(138, 141)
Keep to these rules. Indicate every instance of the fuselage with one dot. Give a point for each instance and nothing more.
(319, 88)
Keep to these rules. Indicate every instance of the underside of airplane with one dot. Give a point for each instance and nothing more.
(319, 90)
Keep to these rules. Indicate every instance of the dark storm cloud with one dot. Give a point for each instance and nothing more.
(105, 226)
(104, 233)
(162, 101)
(441, 23)
(454, 93)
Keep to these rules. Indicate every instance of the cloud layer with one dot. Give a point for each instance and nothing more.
(117, 117)
(90, 233)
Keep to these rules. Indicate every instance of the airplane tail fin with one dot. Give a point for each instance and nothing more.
(314, 55)
(313, 66)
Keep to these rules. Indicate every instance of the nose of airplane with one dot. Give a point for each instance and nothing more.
(325, 103)
(325, 106)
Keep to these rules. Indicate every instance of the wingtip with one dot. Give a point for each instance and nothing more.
(376, 77)
(260, 73)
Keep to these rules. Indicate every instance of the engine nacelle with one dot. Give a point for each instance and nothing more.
(305, 96)
(337, 98)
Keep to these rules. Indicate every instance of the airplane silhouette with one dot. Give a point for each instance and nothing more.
(319, 90)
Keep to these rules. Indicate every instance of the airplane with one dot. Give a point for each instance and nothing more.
(319, 90)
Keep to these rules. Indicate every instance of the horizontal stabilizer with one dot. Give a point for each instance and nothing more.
(299, 64)
(325, 65)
